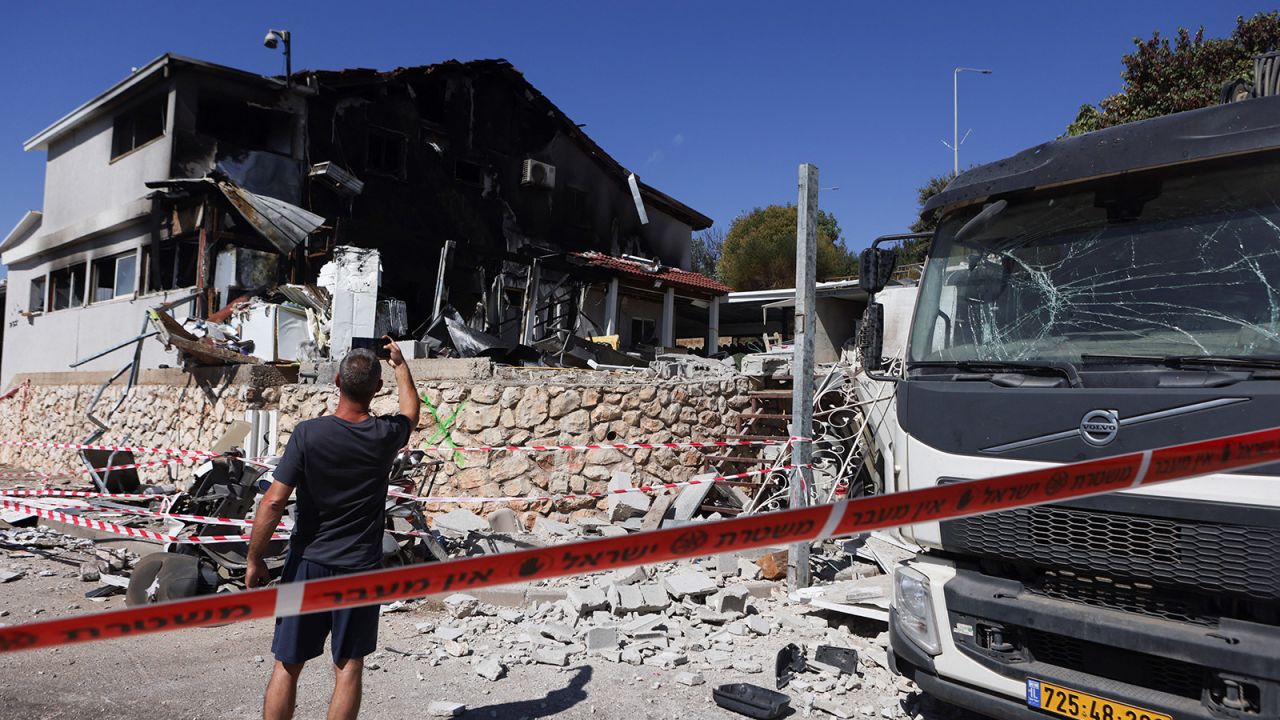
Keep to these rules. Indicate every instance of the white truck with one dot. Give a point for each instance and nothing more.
(1101, 294)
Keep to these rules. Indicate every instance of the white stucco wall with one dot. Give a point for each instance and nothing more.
(81, 180)
(52, 340)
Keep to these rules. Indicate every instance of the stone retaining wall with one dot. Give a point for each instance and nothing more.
(506, 406)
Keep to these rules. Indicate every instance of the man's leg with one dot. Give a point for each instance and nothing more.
(348, 686)
(282, 691)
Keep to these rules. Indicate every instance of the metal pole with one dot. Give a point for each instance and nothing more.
(802, 362)
(955, 122)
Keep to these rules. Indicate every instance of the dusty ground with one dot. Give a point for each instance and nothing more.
(220, 672)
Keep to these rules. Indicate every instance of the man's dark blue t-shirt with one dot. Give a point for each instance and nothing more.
(340, 471)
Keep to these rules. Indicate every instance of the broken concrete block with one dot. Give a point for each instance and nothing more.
(760, 588)
(718, 659)
(557, 631)
(443, 709)
(748, 570)
(460, 523)
(631, 656)
(773, 566)
(689, 584)
(727, 565)
(461, 605)
(505, 520)
(757, 624)
(644, 624)
(7, 575)
(548, 527)
(449, 633)
(667, 660)
(738, 629)
(490, 669)
(613, 656)
(704, 614)
(732, 599)
(612, 531)
(424, 627)
(630, 576)
(89, 572)
(657, 511)
(832, 707)
(511, 616)
(690, 678)
(656, 598)
(551, 656)
(747, 666)
(602, 638)
(624, 599)
(689, 501)
(456, 649)
(634, 524)
(585, 600)
(621, 506)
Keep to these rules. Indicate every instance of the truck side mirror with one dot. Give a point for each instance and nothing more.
(871, 338)
(875, 267)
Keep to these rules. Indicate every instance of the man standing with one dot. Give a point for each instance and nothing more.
(339, 465)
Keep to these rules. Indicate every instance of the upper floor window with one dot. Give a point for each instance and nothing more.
(386, 152)
(66, 287)
(35, 300)
(139, 125)
(113, 277)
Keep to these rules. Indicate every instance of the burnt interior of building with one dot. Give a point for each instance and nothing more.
(464, 164)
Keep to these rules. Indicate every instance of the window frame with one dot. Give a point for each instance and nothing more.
(97, 266)
(52, 287)
(131, 115)
(43, 280)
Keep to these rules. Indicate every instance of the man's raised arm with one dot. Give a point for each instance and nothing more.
(408, 393)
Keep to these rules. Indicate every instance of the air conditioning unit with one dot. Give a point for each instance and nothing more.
(538, 174)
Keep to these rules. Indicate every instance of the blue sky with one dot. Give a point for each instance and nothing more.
(715, 103)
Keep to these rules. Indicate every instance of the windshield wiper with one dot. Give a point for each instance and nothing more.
(1065, 369)
(1181, 361)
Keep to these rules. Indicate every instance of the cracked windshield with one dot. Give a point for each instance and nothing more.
(1187, 266)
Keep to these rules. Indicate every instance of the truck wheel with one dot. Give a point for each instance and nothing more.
(173, 575)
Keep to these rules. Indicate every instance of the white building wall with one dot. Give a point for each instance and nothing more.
(50, 341)
(81, 180)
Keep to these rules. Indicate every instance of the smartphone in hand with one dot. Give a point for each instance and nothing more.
(377, 345)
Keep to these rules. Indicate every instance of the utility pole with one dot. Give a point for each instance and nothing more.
(955, 115)
(802, 363)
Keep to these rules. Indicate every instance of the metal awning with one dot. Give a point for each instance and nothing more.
(283, 224)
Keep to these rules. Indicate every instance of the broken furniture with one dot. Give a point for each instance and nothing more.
(752, 700)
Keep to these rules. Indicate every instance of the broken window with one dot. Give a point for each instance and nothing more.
(644, 331)
(173, 265)
(1184, 264)
(113, 277)
(386, 152)
(35, 300)
(247, 127)
(136, 127)
(67, 287)
(576, 211)
(468, 173)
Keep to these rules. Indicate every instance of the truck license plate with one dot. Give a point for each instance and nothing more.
(1076, 705)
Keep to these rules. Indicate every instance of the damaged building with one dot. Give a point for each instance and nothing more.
(493, 224)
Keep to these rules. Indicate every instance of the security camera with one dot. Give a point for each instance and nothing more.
(269, 41)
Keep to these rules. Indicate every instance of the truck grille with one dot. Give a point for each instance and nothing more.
(1140, 669)
(1213, 557)
(1130, 597)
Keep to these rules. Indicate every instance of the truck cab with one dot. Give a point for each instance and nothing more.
(1108, 293)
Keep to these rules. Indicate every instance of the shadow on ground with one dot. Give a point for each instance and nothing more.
(553, 703)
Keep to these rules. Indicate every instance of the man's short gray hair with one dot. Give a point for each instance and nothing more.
(360, 374)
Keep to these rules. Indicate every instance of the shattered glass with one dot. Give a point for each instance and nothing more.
(1182, 265)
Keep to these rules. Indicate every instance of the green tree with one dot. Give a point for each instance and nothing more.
(914, 251)
(1161, 77)
(759, 251)
(706, 252)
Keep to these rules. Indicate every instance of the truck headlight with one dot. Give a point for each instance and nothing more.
(914, 605)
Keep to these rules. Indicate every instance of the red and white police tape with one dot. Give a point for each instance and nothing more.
(111, 448)
(942, 502)
(654, 487)
(70, 519)
(620, 446)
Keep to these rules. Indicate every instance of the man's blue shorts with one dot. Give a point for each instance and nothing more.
(300, 638)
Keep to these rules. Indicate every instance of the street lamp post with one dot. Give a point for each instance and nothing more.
(955, 114)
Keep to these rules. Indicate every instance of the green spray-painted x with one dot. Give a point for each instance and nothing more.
(443, 434)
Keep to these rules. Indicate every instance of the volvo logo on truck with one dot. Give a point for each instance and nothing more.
(1099, 427)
